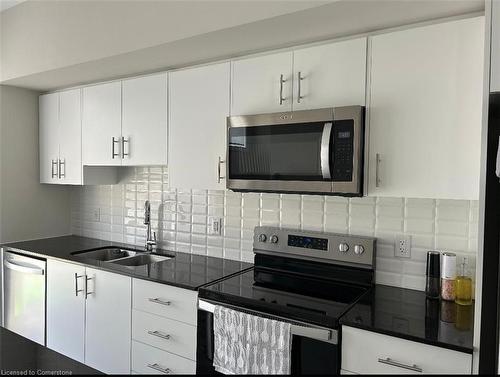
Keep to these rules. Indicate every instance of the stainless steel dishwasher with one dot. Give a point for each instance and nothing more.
(24, 295)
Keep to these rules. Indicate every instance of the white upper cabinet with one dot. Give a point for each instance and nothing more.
(144, 124)
(60, 137)
(197, 137)
(425, 111)
(101, 129)
(330, 75)
(49, 137)
(66, 308)
(108, 329)
(262, 84)
(70, 129)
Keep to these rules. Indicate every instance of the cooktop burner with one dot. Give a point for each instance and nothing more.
(305, 276)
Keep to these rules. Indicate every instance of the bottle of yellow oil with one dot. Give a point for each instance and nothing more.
(463, 285)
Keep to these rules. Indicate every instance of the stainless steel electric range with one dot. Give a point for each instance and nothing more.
(309, 279)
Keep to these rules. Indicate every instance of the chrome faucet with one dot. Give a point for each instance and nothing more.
(150, 236)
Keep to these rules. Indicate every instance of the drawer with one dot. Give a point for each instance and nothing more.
(150, 360)
(164, 333)
(362, 350)
(165, 300)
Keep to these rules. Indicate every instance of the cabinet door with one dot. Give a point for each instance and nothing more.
(197, 138)
(102, 116)
(108, 322)
(49, 137)
(66, 308)
(425, 111)
(495, 47)
(144, 127)
(330, 75)
(70, 137)
(255, 84)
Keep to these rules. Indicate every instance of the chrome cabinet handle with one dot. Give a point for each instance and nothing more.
(159, 301)
(54, 174)
(377, 170)
(219, 177)
(497, 167)
(87, 293)
(61, 164)
(299, 79)
(76, 284)
(113, 142)
(282, 81)
(159, 368)
(394, 363)
(159, 334)
(123, 146)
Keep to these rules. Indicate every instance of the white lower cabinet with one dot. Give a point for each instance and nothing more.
(366, 352)
(163, 329)
(151, 360)
(108, 323)
(89, 322)
(66, 309)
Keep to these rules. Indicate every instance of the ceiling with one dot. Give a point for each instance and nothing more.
(68, 43)
(6, 4)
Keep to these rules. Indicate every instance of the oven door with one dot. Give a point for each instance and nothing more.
(309, 355)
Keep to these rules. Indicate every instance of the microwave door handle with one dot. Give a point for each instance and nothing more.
(325, 151)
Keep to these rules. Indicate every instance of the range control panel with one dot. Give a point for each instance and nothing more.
(317, 246)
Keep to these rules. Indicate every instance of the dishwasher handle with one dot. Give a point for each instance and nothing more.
(25, 269)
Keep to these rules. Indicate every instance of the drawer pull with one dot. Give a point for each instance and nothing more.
(159, 301)
(159, 368)
(159, 334)
(393, 363)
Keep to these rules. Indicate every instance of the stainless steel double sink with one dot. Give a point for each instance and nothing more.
(123, 257)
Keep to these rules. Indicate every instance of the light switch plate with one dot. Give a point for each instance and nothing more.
(215, 226)
(402, 246)
(97, 214)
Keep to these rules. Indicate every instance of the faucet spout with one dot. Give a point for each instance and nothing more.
(150, 236)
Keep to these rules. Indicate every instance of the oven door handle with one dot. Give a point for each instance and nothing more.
(323, 334)
(325, 151)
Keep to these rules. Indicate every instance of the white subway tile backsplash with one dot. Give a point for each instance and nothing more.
(180, 218)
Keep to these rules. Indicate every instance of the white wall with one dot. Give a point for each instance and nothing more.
(28, 209)
(180, 220)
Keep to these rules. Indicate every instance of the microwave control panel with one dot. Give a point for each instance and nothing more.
(343, 150)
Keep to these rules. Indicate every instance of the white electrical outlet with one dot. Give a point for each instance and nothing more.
(402, 246)
(214, 226)
(97, 214)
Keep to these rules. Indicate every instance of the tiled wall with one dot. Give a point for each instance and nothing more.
(180, 220)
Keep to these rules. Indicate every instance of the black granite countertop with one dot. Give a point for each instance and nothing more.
(408, 314)
(184, 270)
(21, 356)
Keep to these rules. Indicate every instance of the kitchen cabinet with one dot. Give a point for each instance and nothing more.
(101, 129)
(66, 309)
(425, 111)
(262, 84)
(125, 122)
(495, 47)
(365, 352)
(330, 75)
(144, 123)
(108, 322)
(197, 145)
(89, 315)
(60, 137)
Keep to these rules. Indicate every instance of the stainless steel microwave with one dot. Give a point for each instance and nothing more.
(312, 151)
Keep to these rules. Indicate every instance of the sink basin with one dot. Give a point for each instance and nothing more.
(141, 260)
(106, 254)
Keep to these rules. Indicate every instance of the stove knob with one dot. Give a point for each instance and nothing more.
(359, 249)
(262, 237)
(274, 238)
(343, 247)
